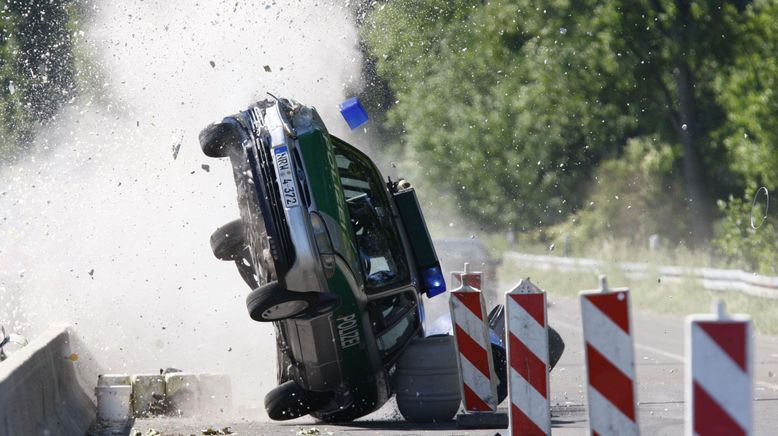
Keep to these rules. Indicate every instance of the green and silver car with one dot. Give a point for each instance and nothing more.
(336, 257)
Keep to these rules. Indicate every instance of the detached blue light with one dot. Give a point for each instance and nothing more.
(434, 284)
(353, 112)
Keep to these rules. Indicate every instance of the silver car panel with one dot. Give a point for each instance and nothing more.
(306, 274)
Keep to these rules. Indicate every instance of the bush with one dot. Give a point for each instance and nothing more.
(633, 197)
(747, 233)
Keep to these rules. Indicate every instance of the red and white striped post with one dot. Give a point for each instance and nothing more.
(527, 320)
(472, 279)
(610, 361)
(476, 367)
(719, 374)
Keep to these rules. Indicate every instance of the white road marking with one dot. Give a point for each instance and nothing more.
(678, 358)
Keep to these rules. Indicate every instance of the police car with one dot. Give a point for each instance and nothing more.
(337, 258)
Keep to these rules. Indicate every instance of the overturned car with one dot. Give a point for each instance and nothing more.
(337, 259)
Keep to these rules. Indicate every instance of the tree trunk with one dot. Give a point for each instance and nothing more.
(697, 196)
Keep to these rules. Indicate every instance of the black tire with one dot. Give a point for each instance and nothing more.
(500, 359)
(346, 415)
(273, 303)
(556, 346)
(289, 401)
(228, 242)
(426, 382)
(218, 139)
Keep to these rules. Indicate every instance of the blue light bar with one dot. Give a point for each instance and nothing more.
(353, 112)
(434, 284)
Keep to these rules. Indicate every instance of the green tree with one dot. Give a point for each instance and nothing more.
(14, 119)
(36, 68)
(678, 47)
(748, 90)
(535, 97)
(498, 102)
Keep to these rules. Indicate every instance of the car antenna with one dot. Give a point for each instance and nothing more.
(274, 97)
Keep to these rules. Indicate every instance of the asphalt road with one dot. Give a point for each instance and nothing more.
(659, 348)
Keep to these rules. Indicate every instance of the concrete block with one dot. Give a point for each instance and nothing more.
(113, 403)
(148, 394)
(113, 380)
(183, 393)
(189, 394)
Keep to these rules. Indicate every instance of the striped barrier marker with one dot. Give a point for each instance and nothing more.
(610, 361)
(719, 374)
(528, 388)
(476, 368)
(472, 279)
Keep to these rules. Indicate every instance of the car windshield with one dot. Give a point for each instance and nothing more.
(380, 250)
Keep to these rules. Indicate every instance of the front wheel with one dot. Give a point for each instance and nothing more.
(272, 303)
(217, 139)
(227, 242)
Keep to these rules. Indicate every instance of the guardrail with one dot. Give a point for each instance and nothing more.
(734, 280)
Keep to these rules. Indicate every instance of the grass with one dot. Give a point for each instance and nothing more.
(653, 295)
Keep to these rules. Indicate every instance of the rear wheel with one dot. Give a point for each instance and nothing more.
(272, 303)
(289, 401)
(217, 139)
(427, 380)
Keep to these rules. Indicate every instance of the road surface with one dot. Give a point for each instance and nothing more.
(659, 349)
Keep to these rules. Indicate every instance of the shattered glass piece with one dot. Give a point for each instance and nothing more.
(179, 139)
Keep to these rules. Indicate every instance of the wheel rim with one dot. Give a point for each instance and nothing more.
(285, 309)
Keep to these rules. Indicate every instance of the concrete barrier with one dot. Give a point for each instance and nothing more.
(41, 390)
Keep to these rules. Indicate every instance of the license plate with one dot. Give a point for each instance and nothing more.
(286, 177)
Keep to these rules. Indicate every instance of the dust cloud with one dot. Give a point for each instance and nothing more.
(101, 228)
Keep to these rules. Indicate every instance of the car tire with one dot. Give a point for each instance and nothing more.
(228, 242)
(500, 360)
(273, 303)
(348, 414)
(289, 401)
(556, 346)
(427, 380)
(217, 139)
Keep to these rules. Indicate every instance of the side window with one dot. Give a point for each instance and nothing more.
(394, 319)
(380, 248)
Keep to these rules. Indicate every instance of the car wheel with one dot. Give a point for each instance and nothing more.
(427, 380)
(272, 303)
(556, 346)
(227, 242)
(217, 139)
(347, 414)
(289, 401)
(500, 360)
